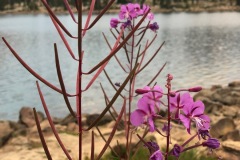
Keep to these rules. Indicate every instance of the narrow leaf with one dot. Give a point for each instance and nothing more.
(49, 157)
(63, 38)
(144, 31)
(51, 122)
(32, 71)
(120, 64)
(92, 146)
(101, 14)
(110, 81)
(120, 45)
(56, 19)
(153, 79)
(89, 17)
(104, 139)
(124, 46)
(61, 81)
(103, 66)
(113, 131)
(148, 45)
(151, 58)
(76, 4)
(114, 98)
(69, 10)
(107, 101)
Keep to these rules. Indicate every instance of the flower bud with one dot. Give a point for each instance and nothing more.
(170, 77)
(177, 149)
(204, 134)
(212, 143)
(172, 94)
(141, 91)
(195, 89)
(114, 23)
(117, 84)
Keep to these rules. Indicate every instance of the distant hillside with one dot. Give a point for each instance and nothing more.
(19, 6)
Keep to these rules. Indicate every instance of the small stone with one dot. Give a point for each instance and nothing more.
(91, 118)
(26, 117)
(68, 119)
(231, 146)
(234, 84)
(234, 135)
(222, 127)
(5, 132)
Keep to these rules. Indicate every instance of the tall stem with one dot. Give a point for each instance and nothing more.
(131, 87)
(79, 107)
(169, 117)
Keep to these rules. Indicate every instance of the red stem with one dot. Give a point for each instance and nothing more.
(79, 82)
(169, 120)
(51, 122)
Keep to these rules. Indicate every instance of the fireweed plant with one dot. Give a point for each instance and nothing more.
(129, 31)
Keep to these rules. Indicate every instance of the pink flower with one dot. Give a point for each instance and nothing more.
(157, 155)
(128, 11)
(150, 16)
(144, 114)
(144, 10)
(179, 102)
(154, 94)
(114, 23)
(194, 112)
(154, 26)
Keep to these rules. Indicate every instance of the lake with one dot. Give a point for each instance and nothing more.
(201, 49)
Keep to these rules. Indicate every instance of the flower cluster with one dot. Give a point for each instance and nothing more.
(181, 107)
(131, 11)
(147, 107)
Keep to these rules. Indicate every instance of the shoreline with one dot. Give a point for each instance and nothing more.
(156, 10)
(221, 105)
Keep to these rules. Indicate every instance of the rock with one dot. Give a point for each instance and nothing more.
(234, 84)
(106, 119)
(119, 127)
(234, 135)
(211, 106)
(227, 96)
(72, 128)
(57, 120)
(222, 127)
(68, 119)
(205, 93)
(231, 146)
(19, 129)
(16, 126)
(230, 111)
(45, 127)
(5, 132)
(26, 116)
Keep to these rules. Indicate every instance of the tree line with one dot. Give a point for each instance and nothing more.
(34, 4)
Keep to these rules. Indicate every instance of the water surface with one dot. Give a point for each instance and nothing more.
(201, 49)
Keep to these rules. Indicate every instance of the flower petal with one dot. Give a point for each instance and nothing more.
(198, 108)
(151, 124)
(186, 122)
(137, 117)
(206, 122)
(156, 156)
(145, 104)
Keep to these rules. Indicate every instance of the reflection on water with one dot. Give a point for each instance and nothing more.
(201, 49)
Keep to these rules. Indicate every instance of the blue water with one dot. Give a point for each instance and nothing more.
(201, 49)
